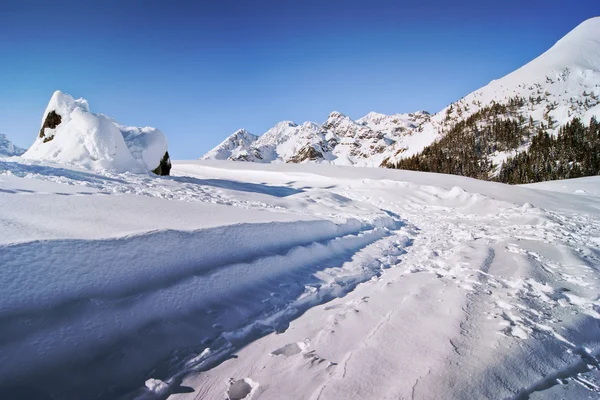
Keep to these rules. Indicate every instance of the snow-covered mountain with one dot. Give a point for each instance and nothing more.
(559, 85)
(71, 134)
(339, 140)
(7, 148)
(232, 147)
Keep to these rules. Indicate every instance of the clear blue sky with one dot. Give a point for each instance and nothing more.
(199, 70)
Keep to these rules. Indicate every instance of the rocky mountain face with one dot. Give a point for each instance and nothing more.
(339, 140)
(7, 149)
(473, 136)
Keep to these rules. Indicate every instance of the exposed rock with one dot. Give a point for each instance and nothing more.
(51, 122)
(308, 152)
(164, 168)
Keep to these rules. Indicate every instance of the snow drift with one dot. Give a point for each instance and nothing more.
(72, 134)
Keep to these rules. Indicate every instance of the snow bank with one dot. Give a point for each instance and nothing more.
(71, 134)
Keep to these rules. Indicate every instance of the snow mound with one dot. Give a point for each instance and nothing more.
(72, 134)
(9, 149)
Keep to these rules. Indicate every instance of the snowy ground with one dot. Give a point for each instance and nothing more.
(254, 281)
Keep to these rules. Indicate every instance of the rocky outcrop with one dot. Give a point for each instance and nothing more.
(164, 168)
(307, 153)
(51, 122)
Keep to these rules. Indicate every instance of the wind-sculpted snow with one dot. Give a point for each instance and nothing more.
(197, 289)
(72, 134)
(261, 281)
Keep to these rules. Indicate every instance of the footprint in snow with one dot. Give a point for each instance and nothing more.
(290, 349)
(241, 389)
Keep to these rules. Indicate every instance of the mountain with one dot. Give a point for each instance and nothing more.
(9, 149)
(339, 140)
(71, 134)
(482, 130)
(231, 147)
(476, 135)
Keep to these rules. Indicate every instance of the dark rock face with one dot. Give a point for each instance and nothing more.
(164, 168)
(306, 153)
(52, 121)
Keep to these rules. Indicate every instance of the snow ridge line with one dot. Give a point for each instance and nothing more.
(243, 298)
(587, 362)
(41, 274)
(361, 263)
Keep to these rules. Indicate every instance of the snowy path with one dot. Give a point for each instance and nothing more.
(339, 284)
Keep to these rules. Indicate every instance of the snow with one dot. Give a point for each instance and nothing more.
(232, 147)
(94, 141)
(339, 140)
(583, 186)
(566, 78)
(304, 281)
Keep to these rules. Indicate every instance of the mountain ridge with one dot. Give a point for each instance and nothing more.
(7, 148)
(558, 85)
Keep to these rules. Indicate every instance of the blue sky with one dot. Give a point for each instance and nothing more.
(199, 70)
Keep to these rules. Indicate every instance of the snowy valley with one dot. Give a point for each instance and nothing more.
(226, 280)
(304, 273)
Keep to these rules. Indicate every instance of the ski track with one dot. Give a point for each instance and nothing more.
(476, 284)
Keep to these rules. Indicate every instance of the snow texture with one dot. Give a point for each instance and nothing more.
(322, 281)
(95, 141)
(279, 280)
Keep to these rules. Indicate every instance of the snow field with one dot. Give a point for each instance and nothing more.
(341, 283)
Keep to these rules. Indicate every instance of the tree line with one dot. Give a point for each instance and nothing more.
(466, 149)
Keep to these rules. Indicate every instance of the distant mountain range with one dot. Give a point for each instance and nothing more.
(9, 149)
(542, 96)
(339, 140)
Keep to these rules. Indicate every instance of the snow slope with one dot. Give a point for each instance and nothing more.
(587, 186)
(557, 86)
(232, 147)
(7, 148)
(263, 281)
(560, 84)
(94, 141)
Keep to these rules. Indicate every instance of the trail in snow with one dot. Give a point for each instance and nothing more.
(341, 283)
(486, 302)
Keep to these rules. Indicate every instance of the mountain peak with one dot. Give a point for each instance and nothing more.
(237, 143)
(7, 148)
(555, 87)
(336, 115)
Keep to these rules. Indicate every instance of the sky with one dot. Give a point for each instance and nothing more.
(200, 70)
